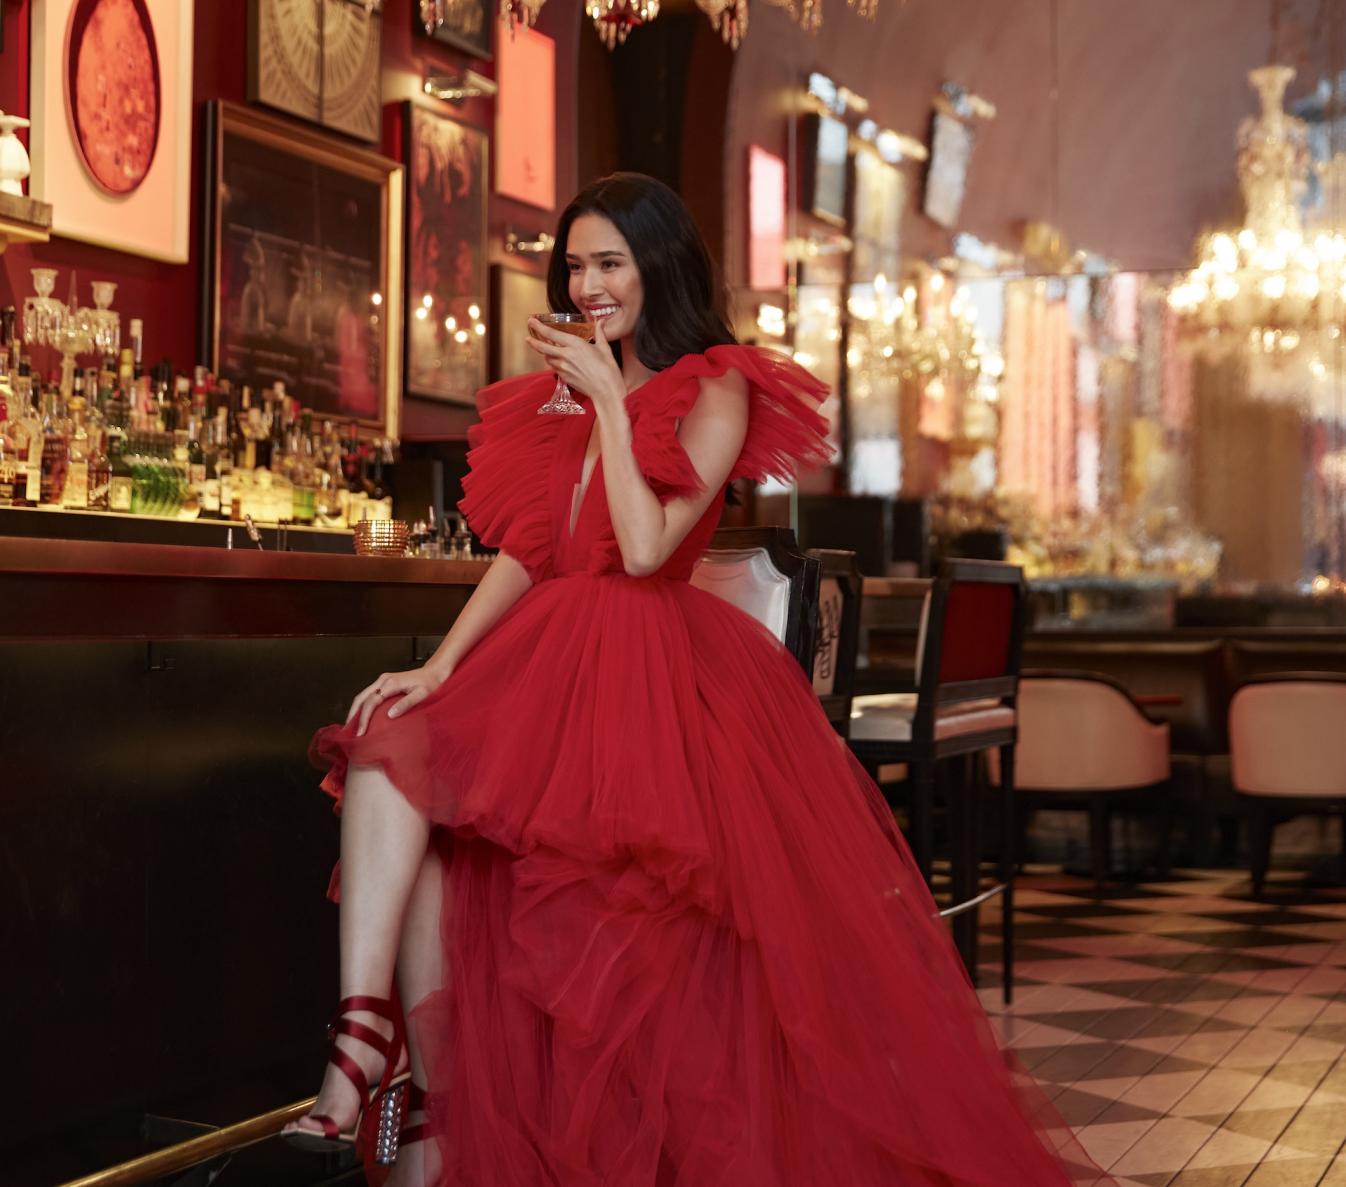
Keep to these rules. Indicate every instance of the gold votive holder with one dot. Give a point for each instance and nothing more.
(382, 537)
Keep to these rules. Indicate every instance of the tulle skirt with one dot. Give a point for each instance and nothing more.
(684, 945)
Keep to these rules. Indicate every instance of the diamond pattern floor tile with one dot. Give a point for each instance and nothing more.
(1192, 1035)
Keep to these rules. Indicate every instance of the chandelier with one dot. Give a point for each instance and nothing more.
(729, 18)
(1270, 288)
(934, 341)
(520, 12)
(614, 19)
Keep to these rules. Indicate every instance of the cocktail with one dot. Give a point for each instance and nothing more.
(562, 403)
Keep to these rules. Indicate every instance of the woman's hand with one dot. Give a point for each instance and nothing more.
(588, 367)
(412, 687)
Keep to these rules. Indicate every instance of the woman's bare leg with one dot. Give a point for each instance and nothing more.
(420, 972)
(383, 846)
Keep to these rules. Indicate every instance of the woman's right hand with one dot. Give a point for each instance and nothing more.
(413, 687)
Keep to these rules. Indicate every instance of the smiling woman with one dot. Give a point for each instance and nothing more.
(626, 241)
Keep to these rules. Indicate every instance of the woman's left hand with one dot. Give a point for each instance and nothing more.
(588, 367)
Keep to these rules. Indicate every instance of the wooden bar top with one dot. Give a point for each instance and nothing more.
(80, 589)
(99, 558)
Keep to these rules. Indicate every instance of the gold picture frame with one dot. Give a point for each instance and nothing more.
(302, 277)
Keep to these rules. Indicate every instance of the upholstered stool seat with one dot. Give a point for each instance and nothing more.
(1287, 749)
(1084, 743)
(888, 717)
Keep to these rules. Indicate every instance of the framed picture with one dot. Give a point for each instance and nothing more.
(446, 256)
(825, 168)
(525, 118)
(879, 202)
(302, 266)
(463, 24)
(515, 297)
(111, 138)
(319, 60)
(946, 178)
(766, 219)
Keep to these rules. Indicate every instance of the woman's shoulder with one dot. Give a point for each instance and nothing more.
(786, 431)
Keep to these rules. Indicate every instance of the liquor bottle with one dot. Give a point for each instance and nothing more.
(122, 484)
(248, 421)
(9, 469)
(196, 454)
(126, 376)
(27, 429)
(55, 448)
(224, 461)
(75, 491)
(136, 349)
(9, 354)
(100, 473)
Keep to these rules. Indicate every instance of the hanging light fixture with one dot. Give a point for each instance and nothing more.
(520, 12)
(614, 19)
(729, 18)
(1269, 288)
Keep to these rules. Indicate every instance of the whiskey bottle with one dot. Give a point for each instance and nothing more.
(75, 490)
(55, 449)
(121, 485)
(100, 473)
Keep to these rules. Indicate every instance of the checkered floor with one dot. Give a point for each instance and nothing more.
(1193, 1036)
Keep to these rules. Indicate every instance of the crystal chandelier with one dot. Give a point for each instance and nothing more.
(1270, 288)
(614, 19)
(935, 340)
(520, 12)
(729, 18)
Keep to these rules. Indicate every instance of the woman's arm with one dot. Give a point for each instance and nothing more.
(505, 582)
(712, 433)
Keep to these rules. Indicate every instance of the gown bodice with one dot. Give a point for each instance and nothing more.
(524, 468)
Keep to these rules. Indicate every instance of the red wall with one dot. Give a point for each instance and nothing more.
(166, 296)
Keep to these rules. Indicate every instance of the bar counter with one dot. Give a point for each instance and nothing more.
(164, 845)
(55, 589)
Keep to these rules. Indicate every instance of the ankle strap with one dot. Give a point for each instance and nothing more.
(363, 1003)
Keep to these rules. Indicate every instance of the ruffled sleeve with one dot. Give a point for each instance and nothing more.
(786, 432)
(505, 495)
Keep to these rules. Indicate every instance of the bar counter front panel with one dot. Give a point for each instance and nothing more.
(164, 845)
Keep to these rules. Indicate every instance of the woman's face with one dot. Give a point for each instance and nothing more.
(604, 280)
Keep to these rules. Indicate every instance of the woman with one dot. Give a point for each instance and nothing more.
(651, 921)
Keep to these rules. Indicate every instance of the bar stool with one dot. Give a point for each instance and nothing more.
(1085, 743)
(965, 703)
(1287, 748)
(764, 573)
(840, 597)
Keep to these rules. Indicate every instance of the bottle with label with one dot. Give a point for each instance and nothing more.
(75, 491)
(27, 427)
(121, 485)
(100, 473)
(55, 449)
(224, 462)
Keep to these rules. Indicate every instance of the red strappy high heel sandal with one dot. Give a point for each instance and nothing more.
(388, 1095)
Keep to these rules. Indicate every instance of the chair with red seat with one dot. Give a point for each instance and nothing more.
(964, 704)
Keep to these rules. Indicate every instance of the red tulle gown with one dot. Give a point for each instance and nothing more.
(684, 945)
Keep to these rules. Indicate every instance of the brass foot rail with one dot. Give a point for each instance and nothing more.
(968, 904)
(183, 1155)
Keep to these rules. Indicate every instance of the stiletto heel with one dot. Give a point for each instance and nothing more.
(392, 1109)
(386, 1093)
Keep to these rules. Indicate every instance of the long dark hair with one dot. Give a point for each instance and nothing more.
(684, 305)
